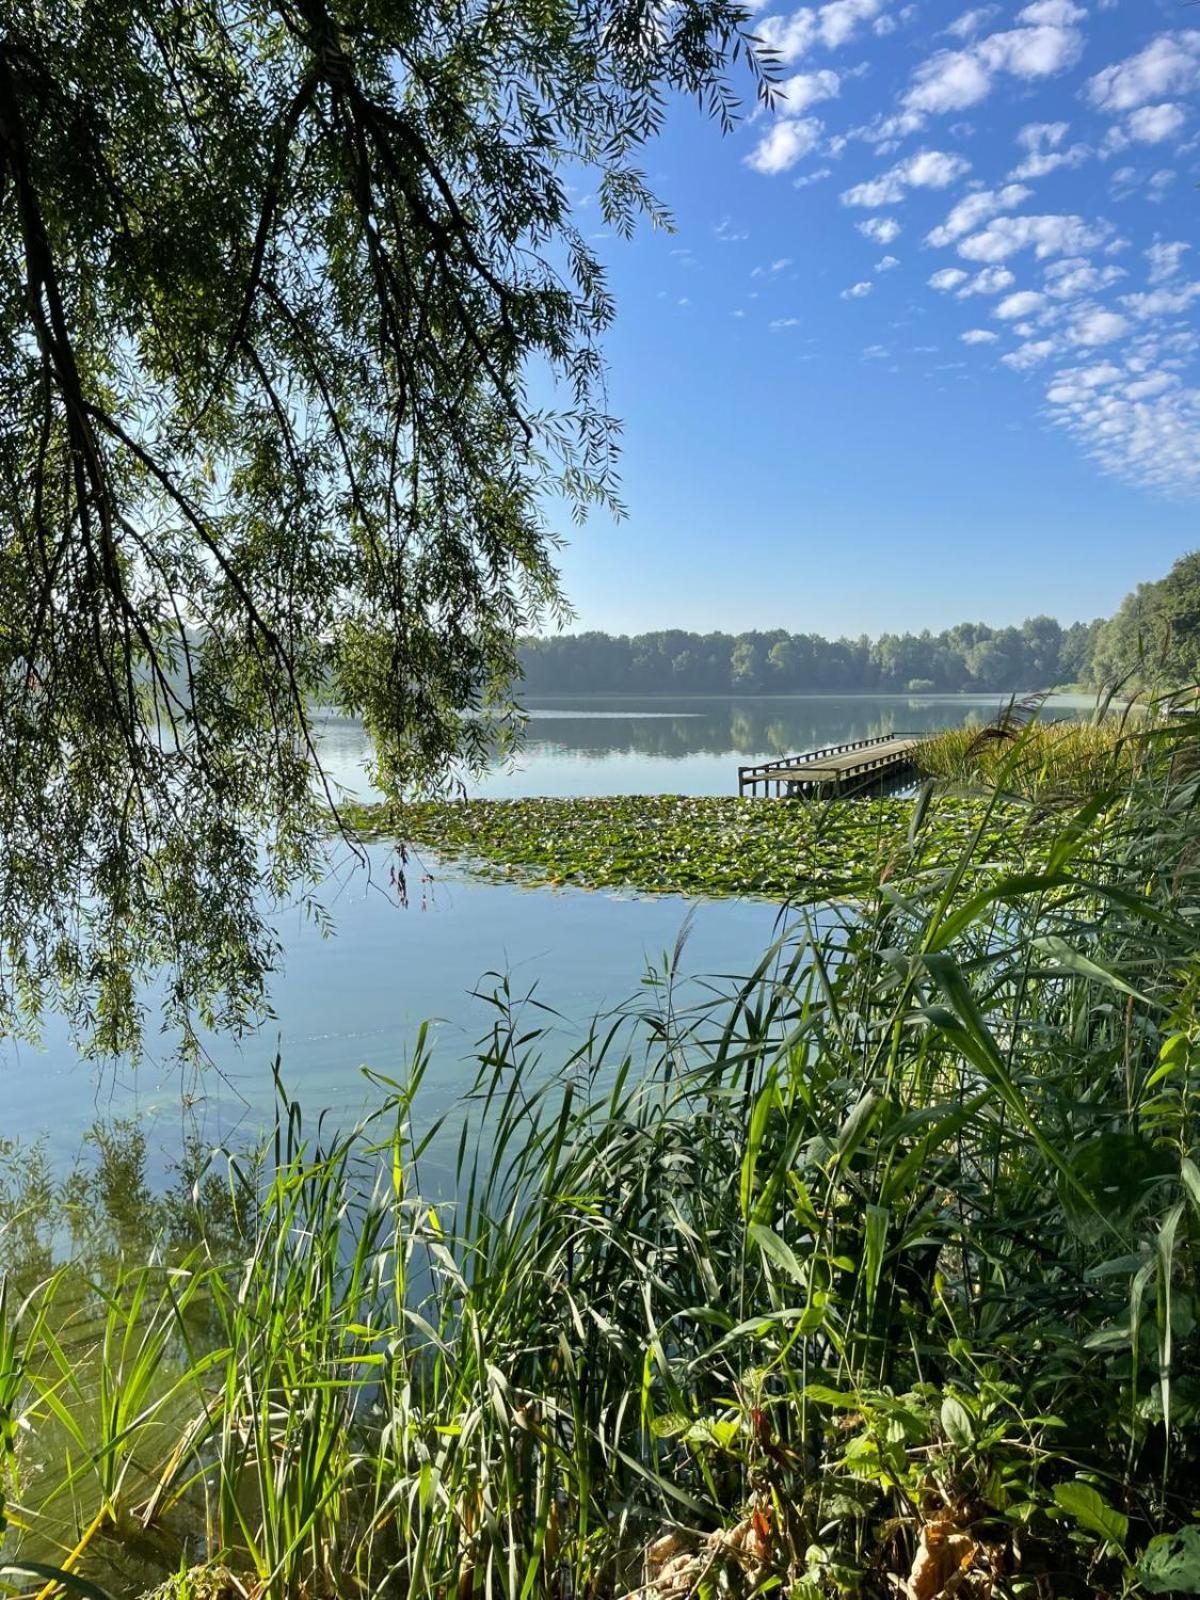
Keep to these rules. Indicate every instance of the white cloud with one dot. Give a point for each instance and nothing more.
(991, 280)
(970, 22)
(1038, 52)
(978, 336)
(975, 208)
(1154, 124)
(1029, 355)
(774, 268)
(934, 169)
(1052, 13)
(789, 37)
(806, 88)
(780, 323)
(1042, 135)
(1127, 180)
(1165, 259)
(1169, 64)
(1047, 235)
(1075, 276)
(1169, 301)
(928, 169)
(1022, 304)
(948, 278)
(1146, 431)
(886, 264)
(786, 143)
(1094, 377)
(857, 291)
(831, 25)
(881, 230)
(1044, 150)
(839, 21)
(812, 177)
(1156, 383)
(952, 80)
(1093, 325)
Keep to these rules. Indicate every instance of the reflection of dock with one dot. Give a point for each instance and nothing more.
(837, 769)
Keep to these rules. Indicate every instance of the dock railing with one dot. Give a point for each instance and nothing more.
(787, 775)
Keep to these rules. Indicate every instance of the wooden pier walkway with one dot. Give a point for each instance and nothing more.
(836, 769)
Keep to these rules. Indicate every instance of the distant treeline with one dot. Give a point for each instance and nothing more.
(1154, 638)
(968, 657)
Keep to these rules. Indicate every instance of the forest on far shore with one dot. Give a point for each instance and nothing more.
(1156, 631)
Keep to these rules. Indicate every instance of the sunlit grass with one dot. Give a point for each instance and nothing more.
(1052, 760)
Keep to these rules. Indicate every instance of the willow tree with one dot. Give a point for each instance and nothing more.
(298, 335)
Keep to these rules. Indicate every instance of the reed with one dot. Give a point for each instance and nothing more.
(874, 1275)
(1046, 760)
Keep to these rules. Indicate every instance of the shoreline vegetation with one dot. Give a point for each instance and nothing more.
(678, 844)
(969, 659)
(873, 1275)
(726, 845)
(1151, 637)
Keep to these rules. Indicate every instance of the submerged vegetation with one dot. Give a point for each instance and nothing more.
(875, 1276)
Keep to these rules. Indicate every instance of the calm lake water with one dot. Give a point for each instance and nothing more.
(358, 998)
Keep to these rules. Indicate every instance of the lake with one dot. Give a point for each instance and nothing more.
(358, 998)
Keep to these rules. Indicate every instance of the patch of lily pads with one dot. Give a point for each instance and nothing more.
(678, 844)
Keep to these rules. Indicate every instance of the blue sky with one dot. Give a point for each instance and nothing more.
(923, 344)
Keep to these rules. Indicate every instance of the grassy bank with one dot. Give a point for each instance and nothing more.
(876, 1276)
(1047, 760)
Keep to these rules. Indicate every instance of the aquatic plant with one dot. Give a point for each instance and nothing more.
(876, 1274)
(681, 844)
(1054, 760)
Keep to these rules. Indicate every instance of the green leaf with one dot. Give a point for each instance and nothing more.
(1109, 1178)
(824, 1396)
(1084, 967)
(1170, 1563)
(1092, 1511)
(776, 1250)
(25, 1570)
(956, 1423)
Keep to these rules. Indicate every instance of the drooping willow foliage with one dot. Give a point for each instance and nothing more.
(296, 332)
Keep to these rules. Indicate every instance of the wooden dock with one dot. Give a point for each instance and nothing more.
(836, 769)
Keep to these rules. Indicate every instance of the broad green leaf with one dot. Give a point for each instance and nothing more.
(956, 1422)
(776, 1250)
(1170, 1563)
(1092, 1511)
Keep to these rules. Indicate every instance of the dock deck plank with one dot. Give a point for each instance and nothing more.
(833, 769)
